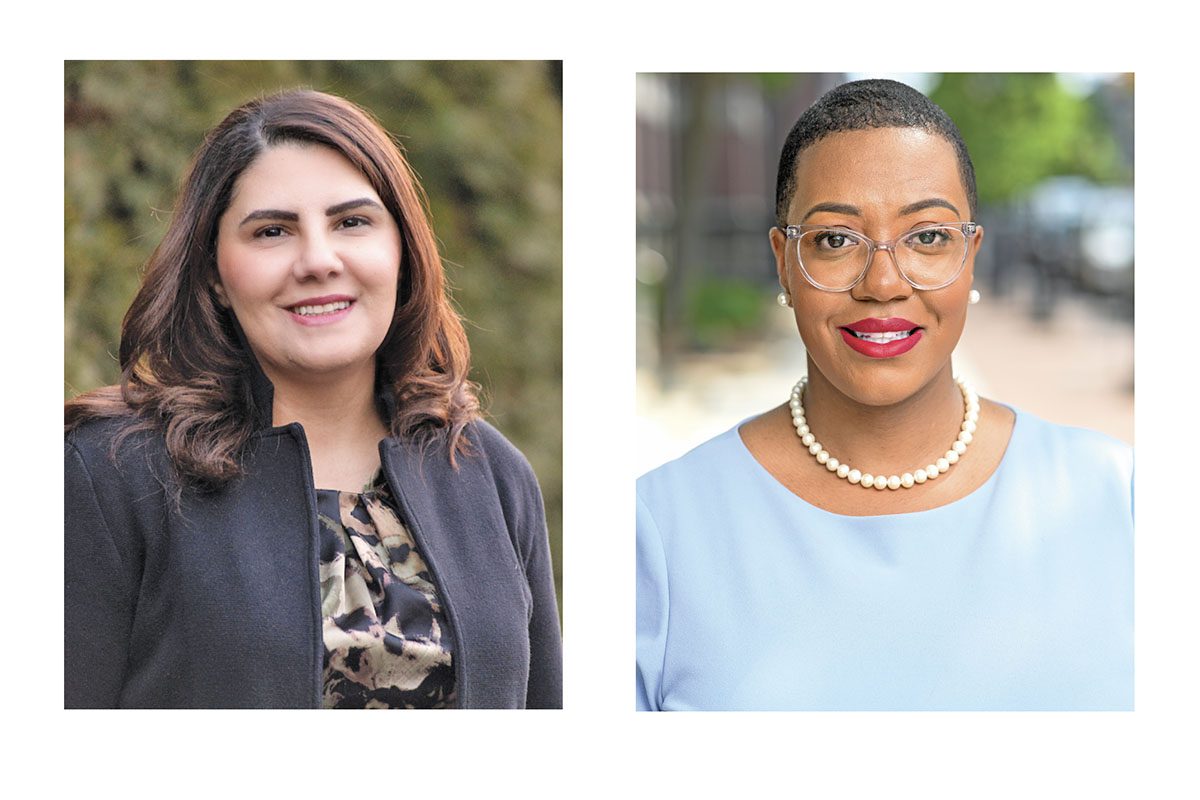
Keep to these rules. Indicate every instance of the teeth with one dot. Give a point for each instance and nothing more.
(881, 338)
(306, 311)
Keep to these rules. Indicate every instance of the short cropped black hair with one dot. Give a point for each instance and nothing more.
(859, 105)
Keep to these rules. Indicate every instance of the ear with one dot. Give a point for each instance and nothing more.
(779, 248)
(219, 291)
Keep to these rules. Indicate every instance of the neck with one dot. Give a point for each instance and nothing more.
(334, 410)
(886, 438)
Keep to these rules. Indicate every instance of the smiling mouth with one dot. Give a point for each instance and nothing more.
(881, 338)
(314, 311)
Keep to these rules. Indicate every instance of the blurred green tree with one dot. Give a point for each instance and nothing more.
(485, 138)
(1024, 127)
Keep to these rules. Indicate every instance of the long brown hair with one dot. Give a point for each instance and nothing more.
(184, 369)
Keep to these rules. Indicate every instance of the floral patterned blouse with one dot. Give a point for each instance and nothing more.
(386, 639)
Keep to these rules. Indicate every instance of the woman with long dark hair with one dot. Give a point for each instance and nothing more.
(290, 500)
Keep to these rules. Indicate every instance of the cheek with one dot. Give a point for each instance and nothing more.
(813, 314)
(247, 277)
(384, 270)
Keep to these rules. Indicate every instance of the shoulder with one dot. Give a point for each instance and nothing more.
(490, 465)
(1087, 453)
(107, 443)
(706, 489)
(117, 462)
(505, 465)
(694, 471)
(495, 448)
(1080, 472)
(495, 467)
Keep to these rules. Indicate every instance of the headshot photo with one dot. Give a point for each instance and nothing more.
(313, 401)
(885, 392)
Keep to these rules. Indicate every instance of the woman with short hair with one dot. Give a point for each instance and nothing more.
(885, 539)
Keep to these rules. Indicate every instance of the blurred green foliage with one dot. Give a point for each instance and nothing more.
(1023, 127)
(484, 137)
(723, 310)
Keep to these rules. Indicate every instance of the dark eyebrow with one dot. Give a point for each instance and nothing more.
(333, 211)
(836, 208)
(933, 202)
(292, 216)
(270, 213)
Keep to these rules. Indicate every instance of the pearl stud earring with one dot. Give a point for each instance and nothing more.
(784, 299)
(973, 297)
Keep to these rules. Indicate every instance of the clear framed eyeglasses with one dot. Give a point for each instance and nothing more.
(836, 259)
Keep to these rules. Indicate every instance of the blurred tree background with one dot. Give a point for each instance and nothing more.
(1025, 127)
(485, 139)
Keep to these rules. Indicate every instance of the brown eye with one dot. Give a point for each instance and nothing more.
(832, 240)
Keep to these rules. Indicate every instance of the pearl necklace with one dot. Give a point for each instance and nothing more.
(908, 479)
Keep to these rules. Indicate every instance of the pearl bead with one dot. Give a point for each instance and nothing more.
(907, 480)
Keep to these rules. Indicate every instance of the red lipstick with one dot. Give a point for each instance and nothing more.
(877, 346)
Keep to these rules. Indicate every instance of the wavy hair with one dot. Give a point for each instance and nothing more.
(184, 368)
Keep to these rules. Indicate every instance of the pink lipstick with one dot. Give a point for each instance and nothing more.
(323, 310)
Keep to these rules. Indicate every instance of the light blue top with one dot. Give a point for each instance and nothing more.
(1018, 596)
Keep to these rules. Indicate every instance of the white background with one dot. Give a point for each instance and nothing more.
(598, 745)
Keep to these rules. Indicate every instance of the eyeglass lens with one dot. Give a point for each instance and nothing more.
(835, 258)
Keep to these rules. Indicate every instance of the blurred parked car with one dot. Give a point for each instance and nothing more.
(1083, 233)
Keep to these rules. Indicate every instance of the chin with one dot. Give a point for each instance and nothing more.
(326, 364)
(878, 383)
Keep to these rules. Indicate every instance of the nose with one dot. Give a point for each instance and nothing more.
(882, 281)
(317, 257)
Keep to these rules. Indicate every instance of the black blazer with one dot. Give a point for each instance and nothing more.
(216, 603)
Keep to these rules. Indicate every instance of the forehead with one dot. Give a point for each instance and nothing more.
(296, 173)
(878, 170)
